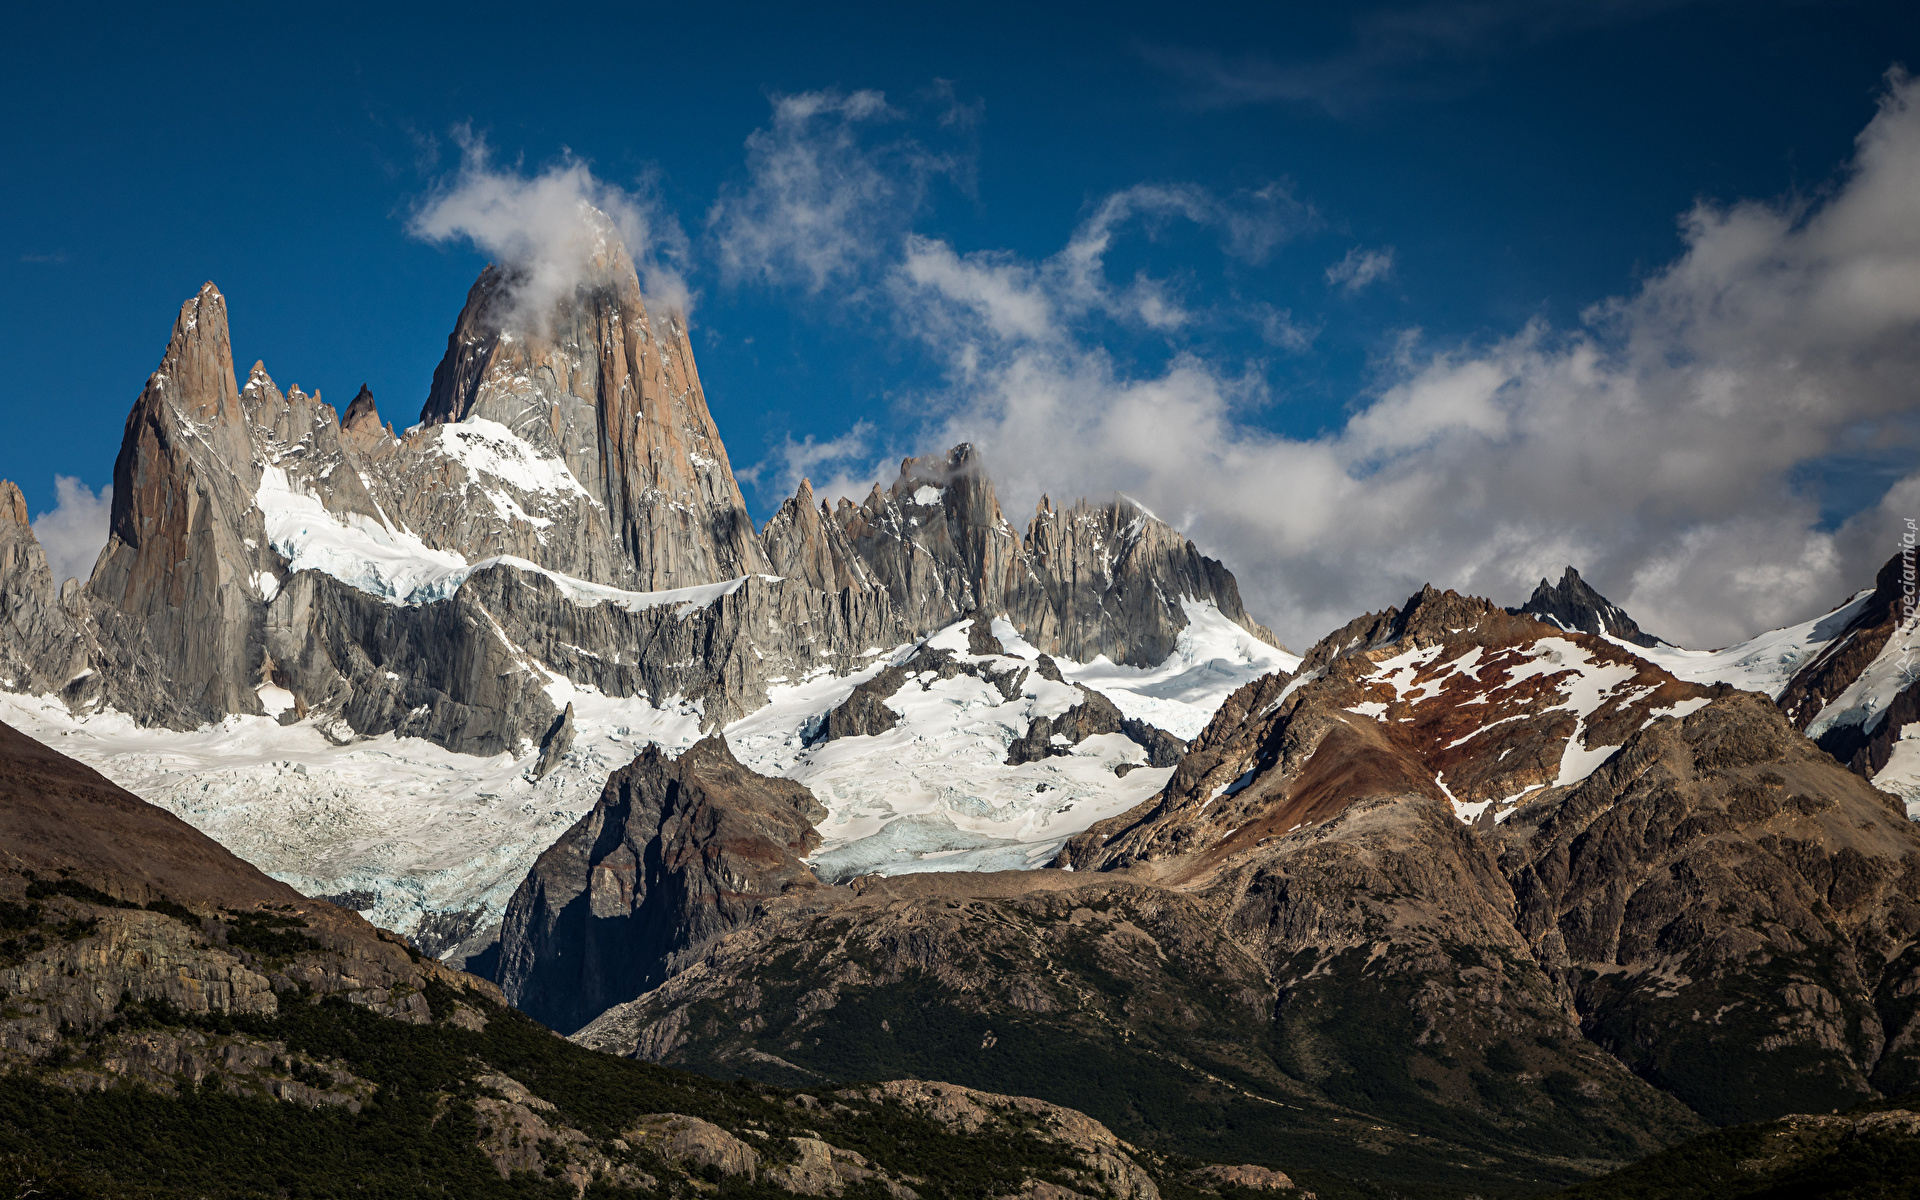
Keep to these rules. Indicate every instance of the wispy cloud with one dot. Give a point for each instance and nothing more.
(1015, 300)
(1278, 328)
(1361, 267)
(75, 530)
(845, 465)
(551, 227)
(826, 191)
(58, 256)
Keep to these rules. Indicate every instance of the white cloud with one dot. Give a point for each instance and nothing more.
(1360, 267)
(821, 198)
(1656, 446)
(946, 296)
(553, 229)
(1278, 328)
(73, 533)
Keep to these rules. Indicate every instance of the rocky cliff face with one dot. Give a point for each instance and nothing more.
(174, 595)
(676, 852)
(42, 647)
(612, 392)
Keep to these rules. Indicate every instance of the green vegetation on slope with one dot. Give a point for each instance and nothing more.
(417, 1136)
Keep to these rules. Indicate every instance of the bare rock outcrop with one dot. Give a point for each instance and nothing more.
(43, 648)
(676, 852)
(519, 1132)
(682, 1139)
(1105, 1164)
(1573, 604)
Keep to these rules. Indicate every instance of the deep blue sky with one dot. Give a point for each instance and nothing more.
(1520, 165)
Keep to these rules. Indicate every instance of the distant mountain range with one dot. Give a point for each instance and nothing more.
(1468, 897)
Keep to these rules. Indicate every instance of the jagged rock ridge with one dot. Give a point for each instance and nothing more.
(1095, 579)
(1573, 604)
(566, 466)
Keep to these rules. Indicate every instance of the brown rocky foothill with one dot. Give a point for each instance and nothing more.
(676, 852)
(1457, 846)
(149, 911)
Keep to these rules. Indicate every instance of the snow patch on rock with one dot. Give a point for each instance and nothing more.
(1212, 658)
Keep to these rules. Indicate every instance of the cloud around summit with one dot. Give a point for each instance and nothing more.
(547, 225)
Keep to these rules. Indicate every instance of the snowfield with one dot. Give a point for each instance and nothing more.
(401, 828)
(1766, 663)
(411, 827)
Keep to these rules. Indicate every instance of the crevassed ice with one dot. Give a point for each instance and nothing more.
(415, 827)
(935, 794)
